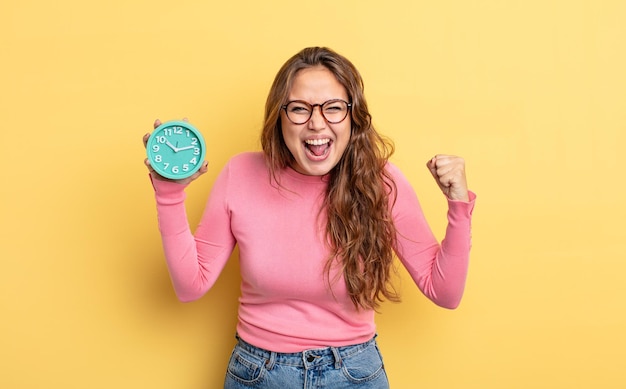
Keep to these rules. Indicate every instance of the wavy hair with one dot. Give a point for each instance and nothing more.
(359, 227)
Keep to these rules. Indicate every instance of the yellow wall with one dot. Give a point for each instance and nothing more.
(531, 93)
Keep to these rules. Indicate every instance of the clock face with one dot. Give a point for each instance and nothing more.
(176, 150)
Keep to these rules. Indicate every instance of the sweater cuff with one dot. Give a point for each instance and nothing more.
(458, 240)
(462, 209)
(168, 192)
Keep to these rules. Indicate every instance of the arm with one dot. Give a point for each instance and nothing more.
(439, 270)
(194, 263)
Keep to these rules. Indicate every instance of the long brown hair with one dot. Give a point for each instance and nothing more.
(359, 226)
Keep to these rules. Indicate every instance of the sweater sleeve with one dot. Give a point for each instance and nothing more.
(194, 262)
(439, 270)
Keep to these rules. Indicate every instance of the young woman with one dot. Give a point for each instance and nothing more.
(318, 217)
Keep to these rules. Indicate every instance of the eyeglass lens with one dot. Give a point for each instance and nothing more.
(334, 111)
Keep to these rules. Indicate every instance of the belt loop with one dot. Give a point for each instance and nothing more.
(269, 364)
(337, 357)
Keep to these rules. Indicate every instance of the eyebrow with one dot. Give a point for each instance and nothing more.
(323, 102)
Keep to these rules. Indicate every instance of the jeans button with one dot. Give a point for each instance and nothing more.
(310, 358)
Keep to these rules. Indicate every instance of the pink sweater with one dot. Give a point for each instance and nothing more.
(286, 304)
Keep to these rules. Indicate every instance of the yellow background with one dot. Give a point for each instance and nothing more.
(531, 93)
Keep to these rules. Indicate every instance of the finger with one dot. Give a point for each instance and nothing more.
(439, 165)
(185, 119)
(446, 180)
(203, 169)
(147, 163)
(145, 139)
(153, 173)
(446, 163)
(449, 160)
(432, 165)
(444, 170)
(440, 160)
(157, 123)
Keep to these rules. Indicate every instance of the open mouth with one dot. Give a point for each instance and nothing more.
(318, 148)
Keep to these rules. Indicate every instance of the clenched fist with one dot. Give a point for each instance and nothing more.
(449, 172)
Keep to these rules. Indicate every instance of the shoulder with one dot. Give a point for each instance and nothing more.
(245, 167)
(392, 169)
(401, 186)
(396, 174)
(248, 159)
(248, 162)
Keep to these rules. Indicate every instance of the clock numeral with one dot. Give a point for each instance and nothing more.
(158, 158)
(185, 167)
(166, 165)
(175, 169)
(155, 148)
(194, 160)
(194, 141)
(196, 151)
(161, 139)
(188, 133)
(173, 130)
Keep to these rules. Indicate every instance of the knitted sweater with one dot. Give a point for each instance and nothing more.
(286, 303)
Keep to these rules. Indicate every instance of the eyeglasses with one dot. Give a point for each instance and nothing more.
(333, 111)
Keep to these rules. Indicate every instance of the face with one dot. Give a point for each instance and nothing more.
(316, 146)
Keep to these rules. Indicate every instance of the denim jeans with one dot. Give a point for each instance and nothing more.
(358, 366)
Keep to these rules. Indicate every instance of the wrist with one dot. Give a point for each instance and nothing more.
(458, 195)
(470, 197)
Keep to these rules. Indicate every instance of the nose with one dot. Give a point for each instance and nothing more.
(317, 121)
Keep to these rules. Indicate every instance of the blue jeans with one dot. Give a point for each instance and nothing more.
(357, 366)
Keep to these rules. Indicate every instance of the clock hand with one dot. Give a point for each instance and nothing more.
(176, 149)
(186, 148)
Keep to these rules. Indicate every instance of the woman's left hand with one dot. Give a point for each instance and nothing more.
(449, 172)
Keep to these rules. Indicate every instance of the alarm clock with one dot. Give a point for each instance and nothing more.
(176, 150)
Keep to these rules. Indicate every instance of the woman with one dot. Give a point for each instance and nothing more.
(317, 216)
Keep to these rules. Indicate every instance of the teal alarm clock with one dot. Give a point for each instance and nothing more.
(176, 150)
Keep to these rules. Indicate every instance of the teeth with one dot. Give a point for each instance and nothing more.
(316, 142)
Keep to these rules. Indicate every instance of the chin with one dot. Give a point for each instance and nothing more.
(309, 170)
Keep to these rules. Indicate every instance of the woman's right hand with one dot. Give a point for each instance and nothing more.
(203, 169)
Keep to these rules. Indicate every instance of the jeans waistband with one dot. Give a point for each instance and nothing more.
(306, 358)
